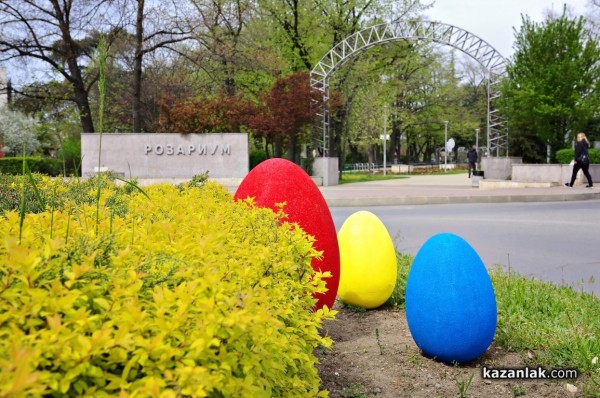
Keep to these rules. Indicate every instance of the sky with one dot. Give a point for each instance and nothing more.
(493, 20)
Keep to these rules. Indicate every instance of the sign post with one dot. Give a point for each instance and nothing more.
(445, 146)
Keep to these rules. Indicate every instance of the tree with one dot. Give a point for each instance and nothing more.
(285, 113)
(156, 27)
(18, 132)
(551, 90)
(223, 24)
(340, 20)
(220, 113)
(51, 31)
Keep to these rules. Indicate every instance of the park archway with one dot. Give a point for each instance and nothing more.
(460, 39)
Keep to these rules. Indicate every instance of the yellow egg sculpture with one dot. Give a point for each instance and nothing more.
(368, 268)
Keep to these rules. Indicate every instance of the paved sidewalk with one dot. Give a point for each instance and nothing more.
(444, 189)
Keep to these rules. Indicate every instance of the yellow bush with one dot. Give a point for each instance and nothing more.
(186, 294)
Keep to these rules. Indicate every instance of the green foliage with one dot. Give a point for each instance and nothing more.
(198, 180)
(396, 300)
(354, 391)
(518, 391)
(356, 310)
(70, 154)
(257, 156)
(564, 156)
(558, 324)
(416, 114)
(14, 166)
(168, 299)
(551, 89)
(349, 177)
(378, 341)
(11, 194)
(464, 385)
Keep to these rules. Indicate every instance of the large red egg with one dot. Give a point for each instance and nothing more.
(278, 180)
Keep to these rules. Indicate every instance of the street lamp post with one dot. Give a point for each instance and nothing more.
(477, 139)
(445, 146)
(384, 151)
(384, 137)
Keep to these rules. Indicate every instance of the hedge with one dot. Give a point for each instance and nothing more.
(47, 166)
(14, 166)
(188, 293)
(564, 156)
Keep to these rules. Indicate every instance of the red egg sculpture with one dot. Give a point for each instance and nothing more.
(278, 180)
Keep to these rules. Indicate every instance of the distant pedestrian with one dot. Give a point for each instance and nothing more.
(472, 158)
(581, 161)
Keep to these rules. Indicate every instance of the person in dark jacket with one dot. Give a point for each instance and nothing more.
(472, 159)
(582, 160)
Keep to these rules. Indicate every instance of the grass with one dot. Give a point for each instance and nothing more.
(396, 300)
(559, 325)
(364, 176)
(354, 391)
(378, 341)
(464, 385)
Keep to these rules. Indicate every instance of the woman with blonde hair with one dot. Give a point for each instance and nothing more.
(582, 160)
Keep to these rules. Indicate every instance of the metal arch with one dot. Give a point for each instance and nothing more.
(470, 44)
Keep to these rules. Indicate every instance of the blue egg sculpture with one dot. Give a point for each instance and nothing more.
(450, 302)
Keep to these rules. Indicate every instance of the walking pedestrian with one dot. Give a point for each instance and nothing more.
(581, 161)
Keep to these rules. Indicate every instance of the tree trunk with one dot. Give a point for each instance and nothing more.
(292, 146)
(229, 79)
(83, 105)
(371, 154)
(267, 148)
(79, 91)
(277, 149)
(353, 152)
(137, 68)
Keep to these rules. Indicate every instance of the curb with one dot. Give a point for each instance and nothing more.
(445, 200)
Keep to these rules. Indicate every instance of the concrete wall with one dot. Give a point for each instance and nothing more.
(498, 168)
(541, 173)
(402, 168)
(167, 155)
(326, 169)
(555, 173)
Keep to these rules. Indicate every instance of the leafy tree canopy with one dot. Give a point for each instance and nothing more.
(551, 90)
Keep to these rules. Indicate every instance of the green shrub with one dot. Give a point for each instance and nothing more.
(54, 192)
(404, 262)
(50, 166)
(564, 156)
(71, 153)
(256, 157)
(11, 189)
(186, 294)
(14, 166)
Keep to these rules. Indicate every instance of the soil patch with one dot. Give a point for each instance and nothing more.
(374, 355)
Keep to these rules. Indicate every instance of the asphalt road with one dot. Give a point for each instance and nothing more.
(557, 241)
